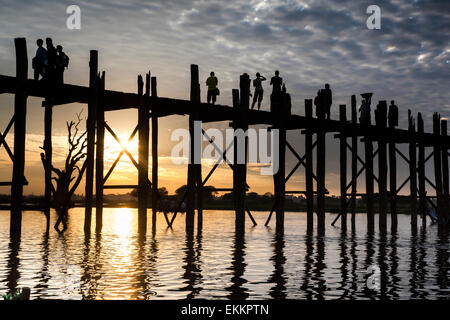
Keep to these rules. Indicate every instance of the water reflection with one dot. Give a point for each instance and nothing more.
(192, 270)
(237, 289)
(13, 263)
(278, 278)
(219, 260)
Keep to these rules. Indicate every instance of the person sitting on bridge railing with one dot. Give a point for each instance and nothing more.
(213, 91)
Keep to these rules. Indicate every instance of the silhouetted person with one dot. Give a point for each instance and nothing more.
(62, 62)
(40, 60)
(327, 97)
(213, 91)
(276, 82)
(393, 115)
(365, 112)
(51, 60)
(318, 102)
(259, 91)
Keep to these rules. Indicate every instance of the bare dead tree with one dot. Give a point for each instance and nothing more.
(68, 179)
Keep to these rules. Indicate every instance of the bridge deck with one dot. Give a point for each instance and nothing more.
(116, 100)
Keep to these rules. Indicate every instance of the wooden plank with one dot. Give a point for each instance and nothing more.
(122, 186)
(20, 113)
(143, 137)
(100, 151)
(90, 149)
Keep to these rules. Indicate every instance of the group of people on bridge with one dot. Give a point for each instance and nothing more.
(276, 82)
(50, 63)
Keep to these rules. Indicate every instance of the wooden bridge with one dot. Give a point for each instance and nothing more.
(151, 107)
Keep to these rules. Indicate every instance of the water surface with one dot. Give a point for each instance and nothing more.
(217, 263)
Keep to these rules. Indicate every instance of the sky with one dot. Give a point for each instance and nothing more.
(310, 42)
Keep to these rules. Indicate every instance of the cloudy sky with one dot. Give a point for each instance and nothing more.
(310, 42)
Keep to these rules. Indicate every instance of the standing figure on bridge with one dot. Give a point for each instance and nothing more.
(62, 62)
(51, 59)
(393, 115)
(275, 98)
(259, 91)
(318, 102)
(276, 82)
(364, 118)
(327, 97)
(40, 60)
(213, 91)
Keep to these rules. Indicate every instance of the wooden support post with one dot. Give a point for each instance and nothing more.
(343, 169)
(393, 179)
(354, 164)
(20, 115)
(48, 116)
(143, 187)
(193, 157)
(438, 172)
(195, 97)
(320, 162)
(240, 150)
(381, 120)
(368, 150)
(99, 158)
(445, 177)
(155, 194)
(309, 170)
(412, 173)
(90, 149)
(279, 178)
(421, 172)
